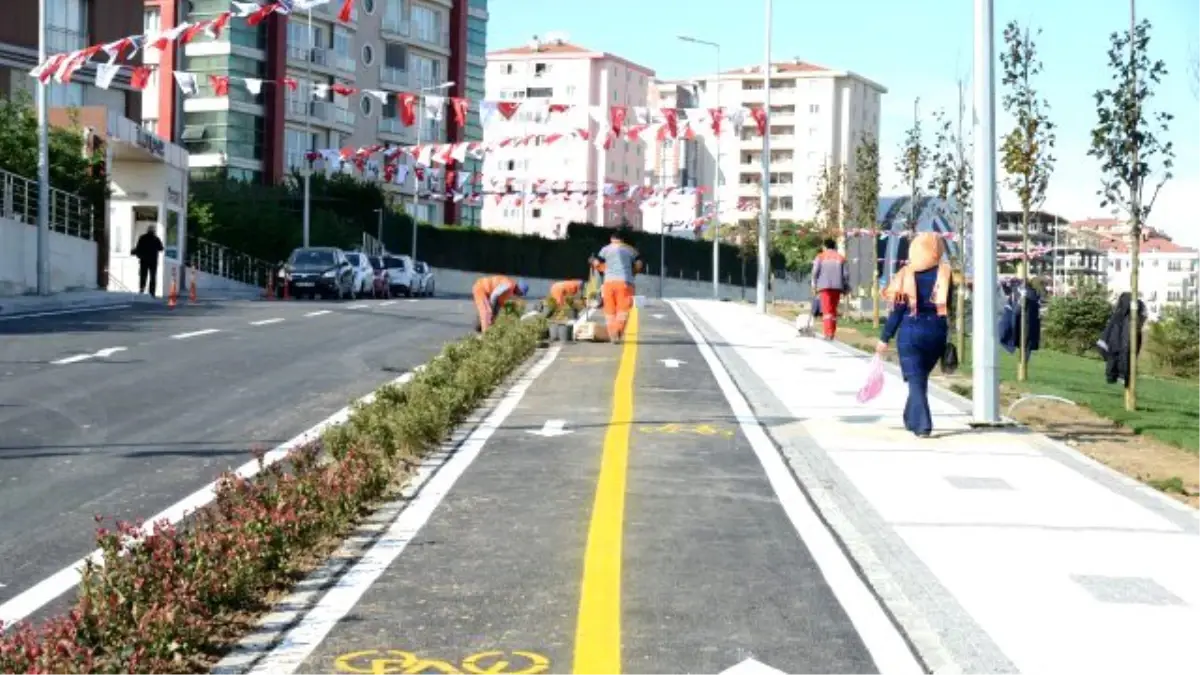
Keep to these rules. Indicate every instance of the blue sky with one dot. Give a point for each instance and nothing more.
(917, 48)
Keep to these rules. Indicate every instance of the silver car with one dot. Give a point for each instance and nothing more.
(424, 282)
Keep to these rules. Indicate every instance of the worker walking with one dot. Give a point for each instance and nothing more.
(830, 278)
(491, 294)
(621, 263)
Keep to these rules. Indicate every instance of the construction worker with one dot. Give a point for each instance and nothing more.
(491, 294)
(562, 291)
(830, 279)
(621, 263)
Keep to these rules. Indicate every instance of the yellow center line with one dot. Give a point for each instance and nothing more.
(598, 632)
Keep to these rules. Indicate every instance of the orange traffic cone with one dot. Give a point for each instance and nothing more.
(192, 286)
(270, 287)
(173, 296)
(285, 288)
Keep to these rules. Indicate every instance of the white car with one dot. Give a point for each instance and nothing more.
(426, 284)
(364, 276)
(401, 275)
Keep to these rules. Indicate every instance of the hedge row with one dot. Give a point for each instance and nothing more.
(165, 599)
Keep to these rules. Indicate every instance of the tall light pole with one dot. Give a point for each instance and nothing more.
(379, 230)
(417, 183)
(764, 218)
(715, 223)
(308, 133)
(985, 381)
(43, 164)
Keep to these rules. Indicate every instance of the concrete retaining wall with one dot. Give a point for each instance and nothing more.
(72, 260)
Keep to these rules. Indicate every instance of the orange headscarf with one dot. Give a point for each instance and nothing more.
(924, 253)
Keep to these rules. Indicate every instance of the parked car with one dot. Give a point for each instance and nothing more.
(425, 273)
(364, 275)
(400, 274)
(380, 288)
(320, 271)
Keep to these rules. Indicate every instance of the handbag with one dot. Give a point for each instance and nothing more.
(950, 358)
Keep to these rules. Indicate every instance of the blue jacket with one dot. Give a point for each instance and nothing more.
(1010, 321)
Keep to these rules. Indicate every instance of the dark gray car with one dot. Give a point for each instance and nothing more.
(320, 271)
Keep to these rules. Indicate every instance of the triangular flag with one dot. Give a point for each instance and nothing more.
(507, 108)
(434, 105)
(254, 86)
(345, 11)
(105, 72)
(187, 82)
(140, 77)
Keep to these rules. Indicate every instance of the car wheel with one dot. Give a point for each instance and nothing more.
(431, 288)
(406, 291)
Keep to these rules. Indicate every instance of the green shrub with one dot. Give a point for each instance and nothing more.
(1074, 322)
(1173, 342)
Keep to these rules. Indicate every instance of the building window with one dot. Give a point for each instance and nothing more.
(508, 69)
(540, 69)
(368, 55)
(427, 24)
(368, 6)
(814, 108)
(66, 25)
(364, 104)
(535, 213)
(540, 92)
(395, 56)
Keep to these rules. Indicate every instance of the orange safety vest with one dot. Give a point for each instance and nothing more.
(560, 290)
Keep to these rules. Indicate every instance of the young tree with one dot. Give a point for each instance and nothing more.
(1130, 143)
(954, 185)
(1026, 150)
(828, 215)
(862, 206)
(911, 165)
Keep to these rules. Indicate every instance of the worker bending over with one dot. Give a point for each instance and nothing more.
(492, 293)
(621, 263)
(562, 291)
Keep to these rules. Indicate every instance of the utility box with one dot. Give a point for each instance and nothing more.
(591, 331)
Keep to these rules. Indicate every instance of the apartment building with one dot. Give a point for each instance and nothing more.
(390, 45)
(589, 81)
(816, 118)
(70, 25)
(671, 167)
(1168, 274)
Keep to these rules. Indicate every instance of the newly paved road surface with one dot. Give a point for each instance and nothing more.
(646, 539)
(124, 412)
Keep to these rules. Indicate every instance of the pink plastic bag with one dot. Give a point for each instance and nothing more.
(874, 384)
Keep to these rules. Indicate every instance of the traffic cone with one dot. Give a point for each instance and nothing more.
(173, 296)
(192, 286)
(285, 288)
(270, 287)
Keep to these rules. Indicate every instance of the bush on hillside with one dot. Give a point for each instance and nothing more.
(1173, 342)
(167, 598)
(1073, 323)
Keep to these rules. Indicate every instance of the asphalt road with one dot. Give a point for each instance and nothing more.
(191, 391)
(708, 569)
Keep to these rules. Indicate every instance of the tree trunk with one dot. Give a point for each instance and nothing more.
(1022, 356)
(960, 293)
(874, 253)
(1134, 333)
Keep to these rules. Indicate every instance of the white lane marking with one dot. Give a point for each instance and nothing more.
(882, 639)
(357, 305)
(265, 322)
(39, 595)
(412, 300)
(195, 333)
(60, 312)
(385, 303)
(102, 354)
(301, 640)
(319, 312)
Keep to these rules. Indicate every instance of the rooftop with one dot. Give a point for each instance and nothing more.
(793, 66)
(559, 47)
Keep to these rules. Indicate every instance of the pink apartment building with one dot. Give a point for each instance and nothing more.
(556, 71)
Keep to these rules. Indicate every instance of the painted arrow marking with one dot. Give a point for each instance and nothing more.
(551, 429)
(673, 363)
(751, 667)
(659, 316)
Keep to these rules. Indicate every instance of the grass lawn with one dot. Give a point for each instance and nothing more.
(1168, 409)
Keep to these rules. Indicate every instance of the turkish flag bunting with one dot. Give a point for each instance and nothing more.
(760, 119)
(507, 108)
(672, 117)
(347, 8)
(459, 107)
(717, 115)
(407, 108)
(616, 118)
(220, 84)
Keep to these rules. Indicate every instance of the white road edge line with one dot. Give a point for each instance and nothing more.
(385, 303)
(882, 639)
(195, 333)
(319, 312)
(307, 635)
(72, 359)
(61, 312)
(265, 322)
(39, 595)
(358, 305)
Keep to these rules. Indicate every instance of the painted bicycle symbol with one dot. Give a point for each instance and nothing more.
(397, 662)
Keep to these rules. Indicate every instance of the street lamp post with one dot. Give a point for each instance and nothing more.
(764, 218)
(715, 223)
(308, 132)
(379, 230)
(417, 183)
(43, 164)
(984, 376)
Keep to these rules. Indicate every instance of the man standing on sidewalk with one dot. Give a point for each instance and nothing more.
(146, 251)
(830, 278)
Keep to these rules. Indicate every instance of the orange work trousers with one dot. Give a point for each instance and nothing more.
(483, 305)
(618, 302)
(830, 299)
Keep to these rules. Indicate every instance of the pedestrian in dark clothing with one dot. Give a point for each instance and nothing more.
(920, 294)
(146, 251)
(1114, 342)
(1018, 300)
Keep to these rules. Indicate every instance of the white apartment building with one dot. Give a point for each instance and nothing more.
(1168, 274)
(671, 165)
(589, 81)
(817, 116)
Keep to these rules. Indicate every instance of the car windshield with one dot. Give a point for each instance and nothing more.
(376, 263)
(312, 257)
(353, 258)
(394, 263)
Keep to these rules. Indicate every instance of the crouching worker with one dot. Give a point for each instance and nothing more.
(621, 263)
(491, 294)
(562, 292)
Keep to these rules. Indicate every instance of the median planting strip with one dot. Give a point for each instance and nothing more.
(170, 599)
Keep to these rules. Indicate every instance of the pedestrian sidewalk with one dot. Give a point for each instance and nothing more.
(996, 551)
(69, 301)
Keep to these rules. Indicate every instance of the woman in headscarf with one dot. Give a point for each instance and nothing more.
(920, 293)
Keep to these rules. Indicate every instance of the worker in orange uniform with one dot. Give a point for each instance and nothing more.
(621, 263)
(561, 291)
(830, 279)
(492, 293)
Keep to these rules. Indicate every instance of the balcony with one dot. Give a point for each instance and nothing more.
(345, 63)
(320, 110)
(318, 56)
(398, 78)
(343, 117)
(434, 39)
(392, 126)
(393, 27)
